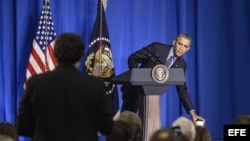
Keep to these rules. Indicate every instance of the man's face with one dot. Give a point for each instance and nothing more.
(181, 46)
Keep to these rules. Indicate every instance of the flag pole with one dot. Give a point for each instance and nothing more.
(46, 36)
(100, 36)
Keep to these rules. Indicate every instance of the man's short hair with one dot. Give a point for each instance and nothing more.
(69, 48)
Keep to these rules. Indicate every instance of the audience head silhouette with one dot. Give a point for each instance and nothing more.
(164, 134)
(187, 127)
(202, 134)
(134, 121)
(242, 120)
(121, 132)
(8, 132)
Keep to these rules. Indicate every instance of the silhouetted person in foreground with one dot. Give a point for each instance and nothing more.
(64, 104)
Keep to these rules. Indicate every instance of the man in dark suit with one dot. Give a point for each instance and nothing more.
(64, 104)
(158, 53)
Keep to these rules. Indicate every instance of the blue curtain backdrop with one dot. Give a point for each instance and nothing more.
(218, 76)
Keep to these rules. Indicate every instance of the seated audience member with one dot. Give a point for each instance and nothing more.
(164, 134)
(242, 120)
(187, 127)
(134, 121)
(8, 132)
(202, 134)
(121, 132)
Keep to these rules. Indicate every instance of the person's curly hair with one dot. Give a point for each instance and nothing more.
(69, 48)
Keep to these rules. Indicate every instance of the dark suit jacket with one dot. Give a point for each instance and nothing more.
(156, 53)
(64, 105)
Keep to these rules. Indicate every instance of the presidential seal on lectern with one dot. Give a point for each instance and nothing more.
(160, 73)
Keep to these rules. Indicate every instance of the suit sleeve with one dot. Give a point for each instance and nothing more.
(147, 56)
(136, 58)
(182, 89)
(184, 97)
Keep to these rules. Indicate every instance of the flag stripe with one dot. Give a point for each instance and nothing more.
(37, 58)
(35, 61)
(51, 59)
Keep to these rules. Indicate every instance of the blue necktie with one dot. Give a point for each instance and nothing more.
(169, 61)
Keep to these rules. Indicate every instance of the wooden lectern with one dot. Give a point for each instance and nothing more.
(149, 111)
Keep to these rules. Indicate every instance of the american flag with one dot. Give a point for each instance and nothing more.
(41, 56)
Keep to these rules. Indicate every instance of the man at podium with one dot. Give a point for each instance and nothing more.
(152, 55)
